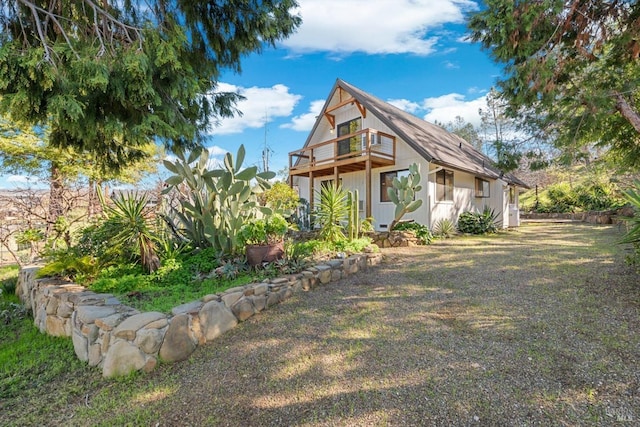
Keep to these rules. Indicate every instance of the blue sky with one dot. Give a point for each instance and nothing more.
(411, 53)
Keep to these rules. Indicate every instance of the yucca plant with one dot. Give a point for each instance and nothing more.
(332, 213)
(133, 228)
(444, 228)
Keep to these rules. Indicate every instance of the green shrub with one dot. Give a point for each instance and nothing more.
(478, 222)
(632, 236)
(421, 231)
(444, 228)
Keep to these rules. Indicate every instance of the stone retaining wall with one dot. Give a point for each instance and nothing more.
(120, 339)
(592, 217)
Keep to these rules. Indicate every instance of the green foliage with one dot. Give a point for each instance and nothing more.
(353, 215)
(632, 236)
(332, 212)
(591, 194)
(109, 81)
(70, 265)
(478, 222)
(403, 194)
(264, 231)
(281, 197)
(215, 203)
(353, 246)
(132, 227)
(444, 228)
(568, 66)
(421, 231)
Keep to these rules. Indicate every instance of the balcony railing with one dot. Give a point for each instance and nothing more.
(347, 153)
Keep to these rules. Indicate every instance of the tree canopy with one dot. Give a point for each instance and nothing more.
(571, 69)
(108, 77)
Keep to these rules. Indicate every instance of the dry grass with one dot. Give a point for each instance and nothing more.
(532, 327)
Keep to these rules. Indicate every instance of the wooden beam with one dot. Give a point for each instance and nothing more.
(363, 110)
(332, 120)
(340, 104)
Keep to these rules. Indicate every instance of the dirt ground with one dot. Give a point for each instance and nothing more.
(537, 326)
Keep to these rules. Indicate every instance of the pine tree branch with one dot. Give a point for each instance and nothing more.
(623, 107)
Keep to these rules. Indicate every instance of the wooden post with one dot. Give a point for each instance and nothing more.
(368, 187)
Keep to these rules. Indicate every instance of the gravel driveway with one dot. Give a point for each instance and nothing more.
(532, 327)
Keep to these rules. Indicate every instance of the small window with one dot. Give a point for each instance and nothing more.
(444, 185)
(512, 195)
(482, 188)
(386, 181)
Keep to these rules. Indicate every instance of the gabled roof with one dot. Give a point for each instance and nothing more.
(434, 143)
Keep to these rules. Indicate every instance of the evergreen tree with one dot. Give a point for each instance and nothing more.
(571, 69)
(108, 77)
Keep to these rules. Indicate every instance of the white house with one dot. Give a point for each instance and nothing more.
(363, 143)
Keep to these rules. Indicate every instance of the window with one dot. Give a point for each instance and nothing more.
(482, 188)
(352, 144)
(386, 181)
(512, 195)
(444, 185)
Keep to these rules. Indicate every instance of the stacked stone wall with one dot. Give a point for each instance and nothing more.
(120, 339)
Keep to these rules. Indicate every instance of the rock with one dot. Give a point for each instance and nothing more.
(336, 275)
(128, 328)
(89, 313)
(210, 297)
(80, 345)
(177, 344)
(122, 358)
(243, 309)
(64, 309)
(95, 355)
(259, 302)
(150, 365)
(158, 324)
(273, 299)
(109, 322)
(260, 289)
(216, 319)
(231, 298)
(149, 340)
(190, 307)
(324, 273)
(57, 327)
(52, 306)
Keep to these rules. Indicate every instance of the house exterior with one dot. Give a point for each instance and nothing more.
(363, 142)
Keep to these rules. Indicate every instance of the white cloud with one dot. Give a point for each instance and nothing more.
(375, 27)
(405, 104)
(22, 179)
(260, 104)
(305, 122)
(445, 108)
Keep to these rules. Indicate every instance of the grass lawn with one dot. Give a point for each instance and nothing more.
(532, 327)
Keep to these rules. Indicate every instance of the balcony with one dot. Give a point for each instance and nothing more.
(368, 148)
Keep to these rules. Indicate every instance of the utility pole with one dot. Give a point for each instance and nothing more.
(266, 151)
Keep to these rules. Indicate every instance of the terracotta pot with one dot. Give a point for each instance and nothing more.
(257, 254)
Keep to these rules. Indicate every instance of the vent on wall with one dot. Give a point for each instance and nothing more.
(384, 225)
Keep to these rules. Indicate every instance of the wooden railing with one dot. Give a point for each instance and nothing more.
(370, 144)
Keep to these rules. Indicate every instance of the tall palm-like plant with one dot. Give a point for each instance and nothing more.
(633, 234)
(332, 213)
(133, 227)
